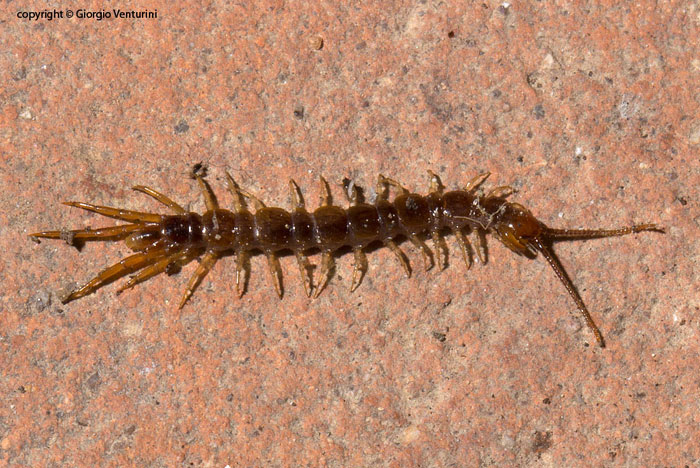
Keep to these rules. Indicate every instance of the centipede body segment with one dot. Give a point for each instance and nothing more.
(165, 243)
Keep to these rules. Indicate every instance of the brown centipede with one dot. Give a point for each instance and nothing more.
(165, 243)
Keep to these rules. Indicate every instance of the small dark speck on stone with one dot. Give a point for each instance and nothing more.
(538, 111)
(520, 159)
(542, 441)
(181, 127)
(451, 34)
(546, 401)
(441, 337)
(529, 134)
(299, 112)
(496, 93)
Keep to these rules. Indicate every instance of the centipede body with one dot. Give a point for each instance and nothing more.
(165, 243)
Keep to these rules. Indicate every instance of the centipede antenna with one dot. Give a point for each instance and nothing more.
(572, 234)
(548, 253)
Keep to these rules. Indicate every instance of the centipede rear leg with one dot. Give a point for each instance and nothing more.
(165, 265)
(118, 270)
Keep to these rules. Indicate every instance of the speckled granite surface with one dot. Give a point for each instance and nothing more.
(590, 111)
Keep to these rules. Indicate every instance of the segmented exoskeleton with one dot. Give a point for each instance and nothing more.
(164, 243)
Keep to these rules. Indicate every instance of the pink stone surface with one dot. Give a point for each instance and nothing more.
(589, 110)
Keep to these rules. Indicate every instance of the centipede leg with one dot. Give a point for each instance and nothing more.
(208, 261)
(326, 198)
(435, 182)
(476, 181)
(209, 197)
(304, 266)
(241, 271)
(440, 249)
(275, 272)
(102, 234)
(352, 194)
(178, 258)
(398, 253)
(160, 197)
(502, 191)
(359, 268)
(438, 242)
(428, 260)
(117, 213)
(327, 264)
(235, 190)
(295, 194)
(465, 246)
(384, 182)
(481, 250)
(125, 266)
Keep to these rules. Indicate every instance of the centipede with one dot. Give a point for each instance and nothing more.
(164, 243)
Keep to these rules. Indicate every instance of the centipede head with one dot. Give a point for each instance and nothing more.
(518, 229)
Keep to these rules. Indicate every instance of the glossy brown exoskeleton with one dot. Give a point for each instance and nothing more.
(164, 243)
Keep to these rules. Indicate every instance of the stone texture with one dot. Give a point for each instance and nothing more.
(590, 111)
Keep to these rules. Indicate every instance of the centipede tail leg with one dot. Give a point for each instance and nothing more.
(207, 263)
(124, 267)
(160, 197)
(177, 259)
(102, 234)
(544, 247)
(117, 213)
